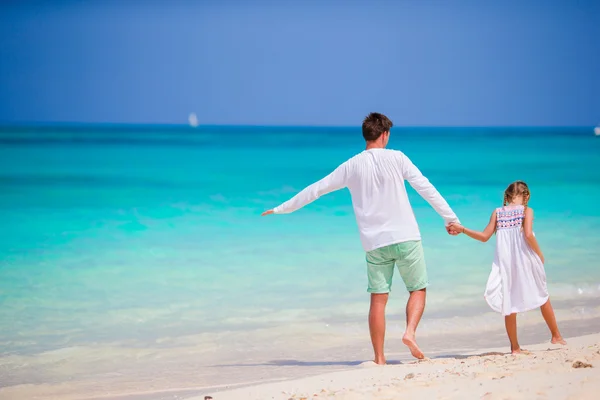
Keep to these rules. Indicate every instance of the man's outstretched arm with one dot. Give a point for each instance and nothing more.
(422, 185)
(334, 181)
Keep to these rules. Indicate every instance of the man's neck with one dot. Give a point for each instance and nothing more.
(374, 145)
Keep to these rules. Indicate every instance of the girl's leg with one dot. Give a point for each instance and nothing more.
(510, 321)
(548, 314)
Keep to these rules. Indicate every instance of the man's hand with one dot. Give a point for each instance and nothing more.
(267, 213)
(454, 229)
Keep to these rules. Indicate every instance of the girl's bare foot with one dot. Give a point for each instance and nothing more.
(558, 340)
(519, 351)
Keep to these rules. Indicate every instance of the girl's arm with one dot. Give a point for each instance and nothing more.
(481, 236)
(528, 232)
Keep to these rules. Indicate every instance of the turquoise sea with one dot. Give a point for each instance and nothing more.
(135, 260)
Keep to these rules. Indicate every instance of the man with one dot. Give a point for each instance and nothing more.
(388, 229)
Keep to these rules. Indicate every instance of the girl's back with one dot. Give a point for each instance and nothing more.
(509, 231)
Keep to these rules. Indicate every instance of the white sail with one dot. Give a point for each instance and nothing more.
(193, 120)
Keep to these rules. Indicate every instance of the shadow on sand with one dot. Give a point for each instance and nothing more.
(298, 363)
(488, 354)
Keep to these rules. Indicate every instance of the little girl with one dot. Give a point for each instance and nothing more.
(517, 282)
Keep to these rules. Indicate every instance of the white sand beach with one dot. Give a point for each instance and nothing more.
(462, 365)
(547, 372)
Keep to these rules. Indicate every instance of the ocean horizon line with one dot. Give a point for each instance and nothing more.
(161, 126)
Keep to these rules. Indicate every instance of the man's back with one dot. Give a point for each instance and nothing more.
(383, 213)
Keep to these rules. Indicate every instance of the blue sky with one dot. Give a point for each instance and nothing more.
(433, 63)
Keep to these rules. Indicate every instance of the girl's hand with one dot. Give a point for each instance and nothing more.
(455, 228)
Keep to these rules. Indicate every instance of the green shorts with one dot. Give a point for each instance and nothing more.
(407, 256)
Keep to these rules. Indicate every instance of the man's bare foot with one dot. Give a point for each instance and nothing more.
(380, 361)
(519, 351)
(412, 345)
(558, 340)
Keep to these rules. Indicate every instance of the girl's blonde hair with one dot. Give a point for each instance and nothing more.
(517, 188)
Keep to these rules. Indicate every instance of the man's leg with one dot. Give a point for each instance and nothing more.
(380, 269)
(411, 264)
(414, 310)
(377, 324)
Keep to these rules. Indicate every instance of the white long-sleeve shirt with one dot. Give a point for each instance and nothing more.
(375, 178)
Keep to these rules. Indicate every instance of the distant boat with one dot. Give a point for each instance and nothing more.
(597, 130)
(193, 120)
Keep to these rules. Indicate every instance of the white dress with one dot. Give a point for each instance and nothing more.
(517, 282)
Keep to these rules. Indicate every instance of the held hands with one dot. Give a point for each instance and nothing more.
(454, 229)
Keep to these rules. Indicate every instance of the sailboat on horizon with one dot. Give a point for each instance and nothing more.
(193, 120)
